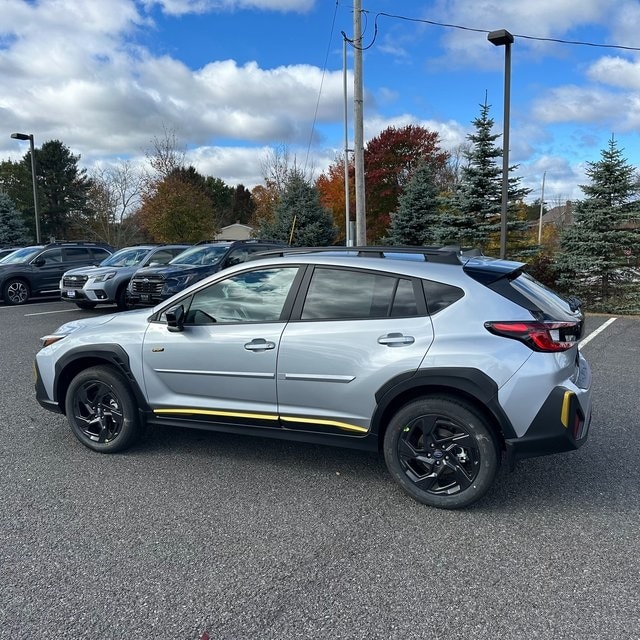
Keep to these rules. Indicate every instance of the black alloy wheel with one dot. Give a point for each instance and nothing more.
(102, 411)
(441, 452)
(16, 291)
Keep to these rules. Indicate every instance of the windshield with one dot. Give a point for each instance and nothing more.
(21, 255)
(126, 257)
(206, 254)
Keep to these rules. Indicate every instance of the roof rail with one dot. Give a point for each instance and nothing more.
(88, 243)
(443, 255)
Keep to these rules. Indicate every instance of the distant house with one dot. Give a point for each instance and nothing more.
(560, 216)
(235, 231)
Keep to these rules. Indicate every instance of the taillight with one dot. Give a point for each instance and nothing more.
(539, 336)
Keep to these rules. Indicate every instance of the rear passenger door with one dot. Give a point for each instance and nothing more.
(351, 332)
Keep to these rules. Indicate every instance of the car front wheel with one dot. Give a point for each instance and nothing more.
(442, 452)
(102, 410)
(16, 292)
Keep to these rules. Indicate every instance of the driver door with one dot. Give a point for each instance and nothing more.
(222, 365)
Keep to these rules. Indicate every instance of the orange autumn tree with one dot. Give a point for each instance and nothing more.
(331, 188)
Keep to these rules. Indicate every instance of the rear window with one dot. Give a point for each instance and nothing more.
(551, 304)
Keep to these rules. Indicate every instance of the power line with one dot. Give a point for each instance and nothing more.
(324, 71)
(464, 28)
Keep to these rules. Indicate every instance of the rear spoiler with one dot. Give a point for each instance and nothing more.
(488, 270)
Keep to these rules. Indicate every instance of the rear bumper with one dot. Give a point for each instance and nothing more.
(562, 424)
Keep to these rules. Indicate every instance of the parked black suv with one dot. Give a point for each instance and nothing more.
(155, 284)
(36, 270)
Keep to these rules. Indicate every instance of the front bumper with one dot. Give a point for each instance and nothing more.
(41, 393)
(562, 424)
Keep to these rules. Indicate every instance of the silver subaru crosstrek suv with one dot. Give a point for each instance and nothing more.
(450, 364)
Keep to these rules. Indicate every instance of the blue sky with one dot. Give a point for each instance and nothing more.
(235, 78)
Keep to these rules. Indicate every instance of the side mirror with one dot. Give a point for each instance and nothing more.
(39, 262)
(175, 318)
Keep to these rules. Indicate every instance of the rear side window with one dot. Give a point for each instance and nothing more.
(340, 294)
(79, 254)
(439, 295)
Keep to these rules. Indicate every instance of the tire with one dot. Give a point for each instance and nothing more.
(84, 304)
(16, 291)
(102, 410)
(122, 299)
(442, 452)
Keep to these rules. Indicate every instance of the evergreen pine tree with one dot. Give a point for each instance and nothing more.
(419, 219)
(12, 228)
(299, 217)
(603, 240)
(476, 204)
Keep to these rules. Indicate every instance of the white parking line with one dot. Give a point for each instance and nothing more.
(596, 332)
(44, 313)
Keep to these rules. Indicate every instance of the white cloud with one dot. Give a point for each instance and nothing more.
(451, 133)
(616, 72)
(585, 105)
(181, 7)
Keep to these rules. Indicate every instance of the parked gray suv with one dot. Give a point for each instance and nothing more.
(448, 363)
(107, 283)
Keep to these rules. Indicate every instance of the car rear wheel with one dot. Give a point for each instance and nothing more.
(101, 410)
(442, 452)
(16, 291)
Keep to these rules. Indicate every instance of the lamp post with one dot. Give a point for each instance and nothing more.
(29, 137)
(499, 38)
(544, 175)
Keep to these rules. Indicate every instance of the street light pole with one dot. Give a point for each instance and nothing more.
(544, 175)
(29, 137)
(499, 38)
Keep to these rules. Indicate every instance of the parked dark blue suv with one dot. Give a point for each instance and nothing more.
(37, 270)
(151, 285)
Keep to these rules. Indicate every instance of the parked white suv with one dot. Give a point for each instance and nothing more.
(107, 283)
(447, 363)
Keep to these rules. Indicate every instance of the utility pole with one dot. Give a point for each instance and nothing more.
(358, 126)
(348, 240)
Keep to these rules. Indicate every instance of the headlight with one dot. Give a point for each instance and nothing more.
(183, 281)
(45, 341)
(105, 276)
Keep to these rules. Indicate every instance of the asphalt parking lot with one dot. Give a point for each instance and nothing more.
(261, 539)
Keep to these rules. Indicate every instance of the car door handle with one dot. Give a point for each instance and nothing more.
(396, 340)
(260, 344)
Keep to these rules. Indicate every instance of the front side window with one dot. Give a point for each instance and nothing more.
(163, 256)
(253, 296)
(52, 256)
(336, 294)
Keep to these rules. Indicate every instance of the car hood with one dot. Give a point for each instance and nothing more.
(123, 318)
(174, 270)
(96, 271)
